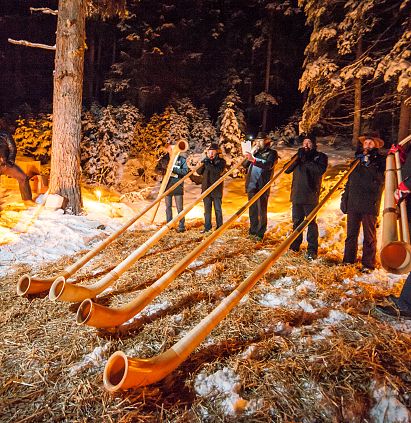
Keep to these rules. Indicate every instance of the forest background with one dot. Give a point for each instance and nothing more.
(211, 71)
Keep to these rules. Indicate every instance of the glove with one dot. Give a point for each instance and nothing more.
(400, 196)
(206, 160)
(394, 148)
(400, 193)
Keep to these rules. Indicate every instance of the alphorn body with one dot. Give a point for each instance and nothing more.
(395, 254)
(122, 372)
(180, 147)
(32, 285)
(63, 291)
(99, 316)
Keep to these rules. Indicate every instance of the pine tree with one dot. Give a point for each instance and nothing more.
(347, 60)
(201, 130)
(233, 98)
(230, 135)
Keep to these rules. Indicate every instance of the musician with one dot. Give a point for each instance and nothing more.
(307, 172)
(180, 169)
(8, 151)
(401, 306)
(361, 201)
(212, 169)
(260, 167)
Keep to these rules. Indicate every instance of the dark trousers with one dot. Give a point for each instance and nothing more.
(169, 210)
(405, 296)
(208, 205)
(258, 214)
(369, 227)
(299, 213)
(15, 172)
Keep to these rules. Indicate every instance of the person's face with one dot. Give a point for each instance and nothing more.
(308, 144)
(211, 154)
(259, 143)
(368, 145)
(169, 148)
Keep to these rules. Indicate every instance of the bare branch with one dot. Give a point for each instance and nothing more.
(45, 10)
(29, 44)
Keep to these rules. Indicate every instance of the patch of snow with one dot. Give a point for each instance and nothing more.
(387, 408)
(94, 359)
(225, 385)
(334, 317)
(205, 270)
(148, 311)
(306, 306)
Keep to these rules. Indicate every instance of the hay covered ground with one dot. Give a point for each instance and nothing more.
(304, 345)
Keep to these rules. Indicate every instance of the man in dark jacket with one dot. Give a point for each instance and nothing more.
(212, 169)
(307, 171)
(180, 169)
(401, 306)
(361, 201)
(260, 167)
(8, 151)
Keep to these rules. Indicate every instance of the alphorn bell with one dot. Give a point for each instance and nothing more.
(395, 254)
(178, 148)
(32, 285)
(122, 372)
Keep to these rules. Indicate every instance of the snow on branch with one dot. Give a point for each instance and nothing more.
(44, 10)
(29, 44)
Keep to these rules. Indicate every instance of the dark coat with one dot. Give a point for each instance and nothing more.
(8, 149)
(260, 172)
(180, 169)
(364, 187)
(307, 171)
(212, 171)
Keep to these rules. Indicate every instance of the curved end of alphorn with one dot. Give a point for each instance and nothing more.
(28, 285)
(98, 316)
(61, 290)
(396, 257)
(122, 372)
(182, 146)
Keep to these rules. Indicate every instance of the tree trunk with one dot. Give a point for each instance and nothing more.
(404, 127)
(113, 60)
(267, 75)
(90, 65)
(357, 101)
(67, 96)
(98, 64)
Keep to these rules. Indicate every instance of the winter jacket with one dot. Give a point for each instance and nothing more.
(180, 169)
(212, 171)
(260, 172)
(307, 171)
(364, 187)
(8, 149)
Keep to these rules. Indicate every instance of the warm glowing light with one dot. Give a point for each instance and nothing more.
(98, 194)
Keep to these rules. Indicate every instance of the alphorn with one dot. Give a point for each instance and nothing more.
(99, 316)
(122, 372)
(395, 253)
(60, 290)
(32, 285)
(180, 147)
